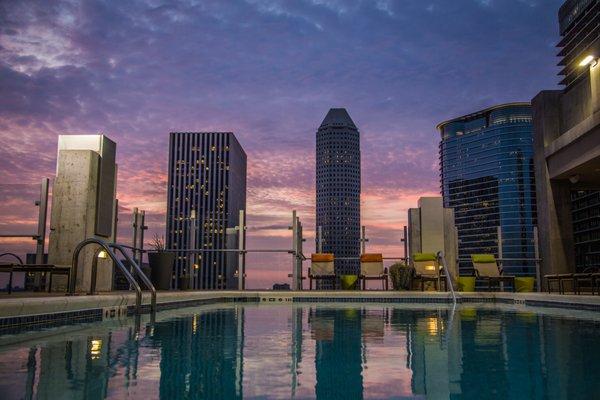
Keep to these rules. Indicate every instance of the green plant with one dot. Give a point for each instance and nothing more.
(158, 243)
(401, 276)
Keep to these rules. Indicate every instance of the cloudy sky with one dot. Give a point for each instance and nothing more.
(267, 70)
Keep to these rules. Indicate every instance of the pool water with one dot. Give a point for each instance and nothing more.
(326, 351)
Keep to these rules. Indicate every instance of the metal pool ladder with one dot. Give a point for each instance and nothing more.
(442, 262)
(135, 269)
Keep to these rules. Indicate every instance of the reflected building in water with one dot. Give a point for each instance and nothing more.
(201, 356)
(338, 363)
(340, 352)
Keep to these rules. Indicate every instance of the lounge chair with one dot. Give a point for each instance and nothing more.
(588, 275)
(321, 268)
(371, 268)
(427, 269)
(558, 279)
(487, 268)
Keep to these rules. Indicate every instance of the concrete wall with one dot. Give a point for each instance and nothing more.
(431, 229)
(432, 224)
(76, 203)
(553, 198)
(566, 145)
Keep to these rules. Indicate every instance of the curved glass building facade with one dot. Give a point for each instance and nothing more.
(487, 176)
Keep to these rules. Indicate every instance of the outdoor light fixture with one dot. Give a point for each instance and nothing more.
(95, 348)
(589, 60)
(574, 179)
(102, 254)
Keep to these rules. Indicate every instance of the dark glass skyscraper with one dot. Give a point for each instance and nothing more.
(487, 176)
(207, 177)
(338, 188)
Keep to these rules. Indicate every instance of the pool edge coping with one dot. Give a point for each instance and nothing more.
(57, 311)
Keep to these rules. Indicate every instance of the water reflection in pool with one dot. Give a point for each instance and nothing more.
(307, 351)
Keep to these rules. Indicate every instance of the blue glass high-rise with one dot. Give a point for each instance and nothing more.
(487, 176)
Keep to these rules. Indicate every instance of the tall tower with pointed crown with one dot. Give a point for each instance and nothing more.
(338, 189)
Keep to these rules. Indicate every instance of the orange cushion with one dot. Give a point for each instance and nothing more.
(373, 257)
(322, 257)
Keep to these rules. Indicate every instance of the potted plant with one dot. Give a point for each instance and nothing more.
(185, 281)
(161, 264)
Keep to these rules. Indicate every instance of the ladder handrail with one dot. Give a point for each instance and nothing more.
(442, 262)
(14, 256)
(139, 273)
(105, 247)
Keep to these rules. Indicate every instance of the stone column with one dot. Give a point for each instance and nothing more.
(553, 196)
(83, 206)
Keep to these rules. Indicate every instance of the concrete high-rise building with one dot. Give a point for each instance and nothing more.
(206, 191)
(567, 146)
(486, 160)
(83, 206)
(338, 189)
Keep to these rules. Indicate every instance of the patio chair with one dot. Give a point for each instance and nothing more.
(558, 279)
(371, 268)
(321, 268)
(427, 269)
(588, 275)
(487, 268)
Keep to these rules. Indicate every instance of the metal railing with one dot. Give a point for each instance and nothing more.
(103, 246)
(442, 262)
(139, 272)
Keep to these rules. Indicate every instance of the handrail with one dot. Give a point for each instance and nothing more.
(139, 273)
(12, 255)
(105, 247)
(442, 262)
(504, 259)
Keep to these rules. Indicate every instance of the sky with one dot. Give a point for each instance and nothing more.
(267, 70)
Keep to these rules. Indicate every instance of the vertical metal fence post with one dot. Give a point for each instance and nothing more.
(143, 227)
(404, 241)
(191, 272)
(536, 249)
(135, 232)
(319, 239)
(241, 251)
(42, 215)
(294, 228)
(42, 204)
(500, 252)
(299, 253)
(499, 233)
(363, 239)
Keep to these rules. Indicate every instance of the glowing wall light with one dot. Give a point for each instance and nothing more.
(589, 60)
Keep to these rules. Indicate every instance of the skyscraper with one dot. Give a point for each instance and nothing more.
(338, 188)
(486, 160)
(206, 188)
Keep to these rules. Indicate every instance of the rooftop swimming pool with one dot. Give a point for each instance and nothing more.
(308, 350)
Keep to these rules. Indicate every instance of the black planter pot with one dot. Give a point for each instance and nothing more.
(161, 266)
(185, 282)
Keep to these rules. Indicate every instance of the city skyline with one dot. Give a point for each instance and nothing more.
(65, 75)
